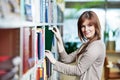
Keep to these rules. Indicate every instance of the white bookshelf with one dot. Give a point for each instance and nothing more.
(20, 23)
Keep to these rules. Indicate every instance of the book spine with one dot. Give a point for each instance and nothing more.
(41, 49)
(25, 49)
(28, 10)
(40, 73)
(46, 11)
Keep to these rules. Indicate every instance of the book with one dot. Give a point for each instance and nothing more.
(28, 49)
(28, 10)
(25, 62)
(48, 38)
(48, 68)
(40, 73)
(32, 47)
(45, 69)
(40, 40)
(42, 11)
(60, 15)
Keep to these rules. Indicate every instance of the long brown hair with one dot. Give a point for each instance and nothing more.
(93, 18)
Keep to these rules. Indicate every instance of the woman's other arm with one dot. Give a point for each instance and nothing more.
(61, 50)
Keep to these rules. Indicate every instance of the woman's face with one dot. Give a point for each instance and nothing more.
(88, 29)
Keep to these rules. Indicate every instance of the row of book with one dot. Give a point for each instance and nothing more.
(33, 47)
(34, 44)
(30, 43)
(43, 11)
(45, 71)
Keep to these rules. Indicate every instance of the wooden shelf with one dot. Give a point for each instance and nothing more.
(112, 52)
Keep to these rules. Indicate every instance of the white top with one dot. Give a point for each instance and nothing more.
(88, 65)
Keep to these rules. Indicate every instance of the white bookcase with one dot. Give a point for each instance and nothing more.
(21, 25)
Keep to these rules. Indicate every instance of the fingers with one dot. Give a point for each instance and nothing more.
(47, 51)
(49, 55)
(55, 29)
(46, 54)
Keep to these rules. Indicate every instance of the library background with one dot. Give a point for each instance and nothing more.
(25, 34)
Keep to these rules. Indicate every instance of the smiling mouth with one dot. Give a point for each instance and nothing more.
(87, 33)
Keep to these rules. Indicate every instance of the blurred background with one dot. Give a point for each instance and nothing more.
(69, 11)
(108, 12)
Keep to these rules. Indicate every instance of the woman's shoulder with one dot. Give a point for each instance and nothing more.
(97, 46)
(98, 43)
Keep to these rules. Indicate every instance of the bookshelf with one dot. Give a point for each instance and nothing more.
(24, 32)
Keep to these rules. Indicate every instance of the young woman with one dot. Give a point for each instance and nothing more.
(89, 58)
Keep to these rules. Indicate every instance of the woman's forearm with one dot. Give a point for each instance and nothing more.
(64, 56)
(60, 46)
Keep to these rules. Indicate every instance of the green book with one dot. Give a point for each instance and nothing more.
(49, 38)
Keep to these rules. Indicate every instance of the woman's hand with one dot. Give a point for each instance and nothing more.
(56, 31)
(49, 55)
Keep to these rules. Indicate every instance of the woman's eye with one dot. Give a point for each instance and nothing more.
(89, 25)
(82, 26)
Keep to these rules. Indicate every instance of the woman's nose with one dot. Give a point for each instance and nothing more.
(86, 28)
